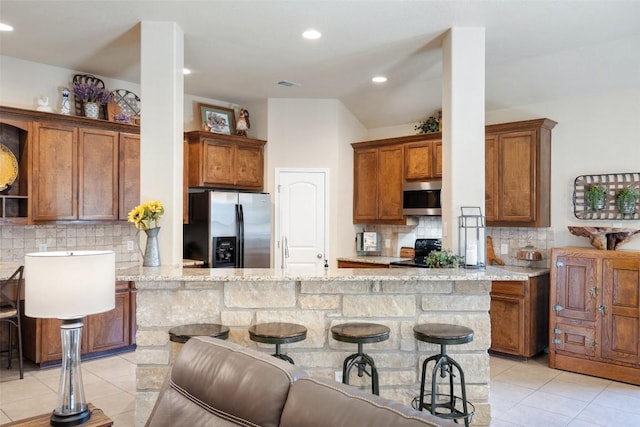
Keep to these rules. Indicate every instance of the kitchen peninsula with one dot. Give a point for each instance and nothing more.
(319, 299)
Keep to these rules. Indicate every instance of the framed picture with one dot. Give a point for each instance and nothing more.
(217, 119)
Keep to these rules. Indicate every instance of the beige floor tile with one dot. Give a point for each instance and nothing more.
(573, 390)
(30, 407)
(508, 391)
(126, 383)
(554, 403)
(4, 418)
(621, 401)
(100, 388)
(528, 416)
(127, 419)
(115, 404)
(530, 375)
(582, 423)
(28, 388)
(608, 417)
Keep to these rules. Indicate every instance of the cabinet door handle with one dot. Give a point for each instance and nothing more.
(602, 309)
(559, 264)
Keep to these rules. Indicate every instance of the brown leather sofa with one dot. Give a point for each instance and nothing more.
(219, 383)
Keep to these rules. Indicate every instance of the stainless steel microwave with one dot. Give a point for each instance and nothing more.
(422, 198)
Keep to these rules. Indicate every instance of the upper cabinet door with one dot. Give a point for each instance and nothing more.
(129, 174)
(423, 160)
(54, 180)
(219, 159)
(249, 171)
(98, 174)
(518, 174)
(365, 185)
(390, 183)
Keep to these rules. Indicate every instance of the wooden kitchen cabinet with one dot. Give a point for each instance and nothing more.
(78, 168)
(109, 332)
(377, 183)
(423, 159)
(595, 316)
(53, 178)
(129, 174)
(519, 314)
(98, 165)
(225, 161)
(518, 174)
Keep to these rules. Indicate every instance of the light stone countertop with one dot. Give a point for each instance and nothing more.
(171, 274)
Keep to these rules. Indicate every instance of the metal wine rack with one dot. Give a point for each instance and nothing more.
(612, 182)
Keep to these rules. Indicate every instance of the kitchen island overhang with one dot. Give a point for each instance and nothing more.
(319, 299)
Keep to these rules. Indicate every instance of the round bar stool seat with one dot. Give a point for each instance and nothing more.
(278, 333)
(182, 334)
(444, 405)
(360, 333)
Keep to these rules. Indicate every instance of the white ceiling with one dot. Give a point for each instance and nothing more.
(536, 50)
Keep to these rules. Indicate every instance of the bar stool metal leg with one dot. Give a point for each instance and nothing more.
(361, 360)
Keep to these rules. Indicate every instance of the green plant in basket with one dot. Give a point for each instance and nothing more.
(443, 259)
(626, 199)
(595, 196)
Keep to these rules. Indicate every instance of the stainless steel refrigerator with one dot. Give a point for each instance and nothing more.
(229, 229)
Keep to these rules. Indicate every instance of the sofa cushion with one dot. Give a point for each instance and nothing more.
(313, 402)
(219, 383)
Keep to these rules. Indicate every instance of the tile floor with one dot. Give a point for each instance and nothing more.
(522, 394)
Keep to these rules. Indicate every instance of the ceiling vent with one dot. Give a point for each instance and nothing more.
(286, 83)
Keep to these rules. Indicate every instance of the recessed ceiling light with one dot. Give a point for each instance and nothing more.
(311, 35)
(379, 79)
(5, 27)
(186, 71)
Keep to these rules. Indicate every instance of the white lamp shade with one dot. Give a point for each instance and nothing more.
(69, 285)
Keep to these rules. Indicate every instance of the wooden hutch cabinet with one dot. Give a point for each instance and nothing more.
(520, 316)
(77, 168)
(225, 161)
(518, 174)
(595, 313)
(377, 183)
(109, 332)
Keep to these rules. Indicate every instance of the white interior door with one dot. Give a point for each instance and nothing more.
(301, 218)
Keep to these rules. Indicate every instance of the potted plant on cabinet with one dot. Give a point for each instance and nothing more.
(92, 96)
(626, 199)
(595, 196)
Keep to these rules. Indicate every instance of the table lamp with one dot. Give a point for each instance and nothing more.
(69, 286)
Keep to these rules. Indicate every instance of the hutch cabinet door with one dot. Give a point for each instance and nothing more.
(576, 288)
(621, 310)
(54, 180)
(98, 174)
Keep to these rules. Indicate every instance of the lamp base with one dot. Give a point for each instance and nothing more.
(58, 420)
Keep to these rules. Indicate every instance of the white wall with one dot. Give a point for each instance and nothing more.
(305, 133)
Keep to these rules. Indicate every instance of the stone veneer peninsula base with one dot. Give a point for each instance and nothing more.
(397, 298)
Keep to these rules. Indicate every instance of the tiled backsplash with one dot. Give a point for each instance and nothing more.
(18, 240)
(431, 227)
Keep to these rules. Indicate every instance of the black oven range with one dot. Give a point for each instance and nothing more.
(422, 247)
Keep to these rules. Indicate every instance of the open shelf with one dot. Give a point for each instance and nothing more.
(13, 207)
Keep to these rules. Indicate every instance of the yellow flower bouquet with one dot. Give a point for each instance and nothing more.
(143, 214)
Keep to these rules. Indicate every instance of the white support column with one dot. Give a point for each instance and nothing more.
(463, 83)
(161, 130)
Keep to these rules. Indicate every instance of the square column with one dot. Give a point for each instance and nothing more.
(463, 88)
(161, 130)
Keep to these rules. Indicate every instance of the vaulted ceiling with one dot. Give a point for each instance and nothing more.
(536, 50)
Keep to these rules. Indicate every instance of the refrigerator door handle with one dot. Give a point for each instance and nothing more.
(239, 237)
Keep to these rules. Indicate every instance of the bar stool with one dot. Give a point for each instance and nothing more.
(278, 333)
(360, 333)
(182, 334)
(444, 334)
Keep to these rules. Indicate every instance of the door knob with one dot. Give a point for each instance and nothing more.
(319, 256)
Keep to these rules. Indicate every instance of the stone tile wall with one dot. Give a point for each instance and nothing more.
(319, 305)
(18, 240)
(431, 227)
